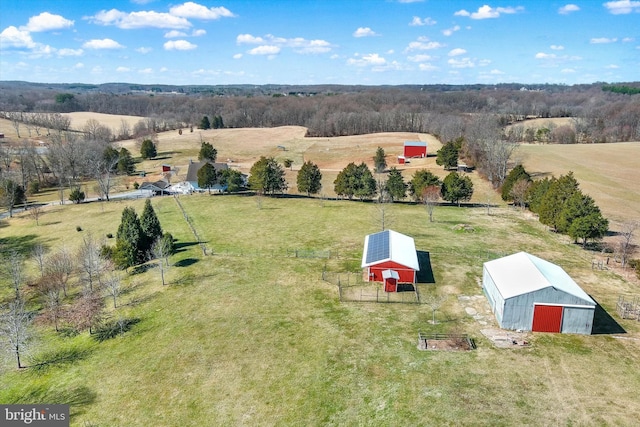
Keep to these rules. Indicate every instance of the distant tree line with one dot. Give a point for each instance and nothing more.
(445, 111)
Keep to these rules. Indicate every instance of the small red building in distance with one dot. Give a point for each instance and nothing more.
(415, 149)
(391, 258)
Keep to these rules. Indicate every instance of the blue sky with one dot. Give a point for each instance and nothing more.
(369, 42)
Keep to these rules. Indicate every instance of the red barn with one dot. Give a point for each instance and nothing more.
(415, 149)
(390, 257)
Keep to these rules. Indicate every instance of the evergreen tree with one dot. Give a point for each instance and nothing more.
(379, 161)
(590, 227)
(456, 188)
(150, 226)
(148, 149)
(207, 152)
(447, 156)
(267, 176)
(536, 192)
(129, 240)
(395, 185)
(76, 195)
(515, 175)
(11, 195)
(232, 178)
(207, 176)
(217, 122)
(554, 199)
(126, 164)
(309, 178)
(355, 181)
(576, 206)
(422, 179)
(111, 157)
(204, 123)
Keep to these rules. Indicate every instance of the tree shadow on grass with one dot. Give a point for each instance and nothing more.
(114, 328)
(23, 245)
(185, 262)
(604, 324)
(77, 397)
(180, 247)
(58, 357)
(425, 275)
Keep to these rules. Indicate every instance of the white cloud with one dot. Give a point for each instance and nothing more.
(461, 63)
(142, 19)
(237, 56)
(123, 69)
(179, 45)
(364, 32)
(96, 70)
(410, 1)
(612, 67)
(622, 7)
(47, 22)
(602, 40)
(298, 44)
(146, 71)
(13, 37)
(567, 71)
(451, 30)
(556, 47)
(198, 33)
(419, 22)
(627, 40)
(487, 12)
(568, 8)
(372, 59)
(78, 66)
(265, 50)
(423, 43)
(102, 44)
(144, 50)
(420, 58)
(427, 67)
(198, 11)
(164, 69)
(70, 52)
(496, 72)
(174, 34)
(457, 51)
(542, 55)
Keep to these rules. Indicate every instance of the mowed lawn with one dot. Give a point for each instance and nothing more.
(248, 336)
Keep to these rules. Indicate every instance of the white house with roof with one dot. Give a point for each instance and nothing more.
(528, 293)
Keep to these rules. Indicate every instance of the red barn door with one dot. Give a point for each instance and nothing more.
(547, 318)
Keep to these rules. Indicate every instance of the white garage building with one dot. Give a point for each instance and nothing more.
(528, 293)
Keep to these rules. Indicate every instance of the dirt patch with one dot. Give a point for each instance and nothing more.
(445, 343)
(507, 339)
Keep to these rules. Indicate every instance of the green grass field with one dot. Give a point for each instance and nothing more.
(248, 336)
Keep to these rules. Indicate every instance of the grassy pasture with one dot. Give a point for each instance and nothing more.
(260, 339)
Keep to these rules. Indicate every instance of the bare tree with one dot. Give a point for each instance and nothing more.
(431, 198)
(35, 213)
(50, 288)
(518, 192)
(435, 302)
(59, 267)
(112, 286)
(90, 263)
(125, 130)
(14, 325)
(625, 247)
(86, 312)
(160, 251)
(38, 255)
(15, 272)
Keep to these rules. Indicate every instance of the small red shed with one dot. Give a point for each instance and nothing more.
(166, 168)
(391, 258)
(402, 160)
(415, 149)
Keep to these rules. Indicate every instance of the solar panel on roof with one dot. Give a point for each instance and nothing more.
(378, 247)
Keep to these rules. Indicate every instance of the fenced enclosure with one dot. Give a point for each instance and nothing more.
(352, 287)
(447, 342)
(276, 253)
(628, 308)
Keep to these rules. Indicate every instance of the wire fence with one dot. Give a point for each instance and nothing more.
(274, 253)
(352, 287)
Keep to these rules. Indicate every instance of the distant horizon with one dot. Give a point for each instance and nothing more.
(320, 42)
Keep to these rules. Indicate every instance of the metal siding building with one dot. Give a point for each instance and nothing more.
(415, 149)
(528, 293)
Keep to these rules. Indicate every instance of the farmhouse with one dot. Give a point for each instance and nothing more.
(415, 149)
(192, 175)
(528, 293)
(391, 258)
(160, 187)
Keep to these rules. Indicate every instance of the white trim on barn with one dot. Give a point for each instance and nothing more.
(516, 284)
